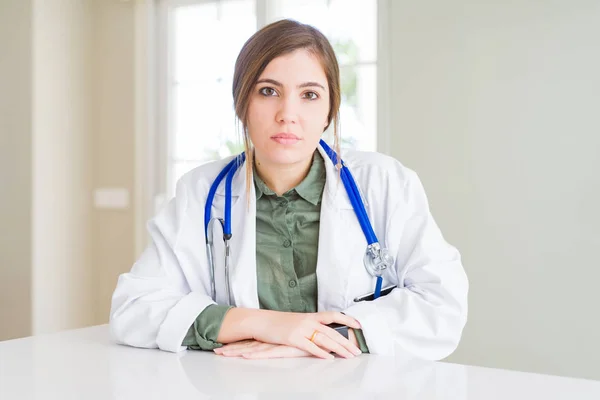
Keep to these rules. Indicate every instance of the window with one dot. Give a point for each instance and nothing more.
(202, 40)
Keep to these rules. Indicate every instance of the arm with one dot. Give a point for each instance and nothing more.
(425, 316)
(288, 329)
(203, 333)
(218, 325)
(153, 305)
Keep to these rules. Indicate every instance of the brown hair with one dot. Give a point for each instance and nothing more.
(272, 41)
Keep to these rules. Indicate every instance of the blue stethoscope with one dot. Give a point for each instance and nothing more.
(376, 259)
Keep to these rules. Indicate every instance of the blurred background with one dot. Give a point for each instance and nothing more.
(104, 104)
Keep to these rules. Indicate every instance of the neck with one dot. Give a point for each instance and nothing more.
(282, 177)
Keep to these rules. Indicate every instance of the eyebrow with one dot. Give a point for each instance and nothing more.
(300, 86)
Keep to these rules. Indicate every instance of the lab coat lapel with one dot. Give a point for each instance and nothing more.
(341, 249)
(243, 240)
(342, 243)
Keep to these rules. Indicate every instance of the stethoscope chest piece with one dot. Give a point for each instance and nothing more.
(377, 259)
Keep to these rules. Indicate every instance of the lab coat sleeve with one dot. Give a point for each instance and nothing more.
(424, 317)
(153, 305)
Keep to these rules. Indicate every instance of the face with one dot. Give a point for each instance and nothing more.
(288, 109)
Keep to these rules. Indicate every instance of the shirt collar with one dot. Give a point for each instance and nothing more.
(260, 185)
(311, 187)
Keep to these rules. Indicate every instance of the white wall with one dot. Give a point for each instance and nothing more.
(62, 265)
(496, 105)
(45, 164)
(15, 169)
(67, 126)
(113, 142)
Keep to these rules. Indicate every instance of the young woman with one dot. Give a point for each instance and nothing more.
(300, 226)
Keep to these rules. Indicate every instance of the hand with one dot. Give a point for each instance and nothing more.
(352, 337)
(252, 349)
(296, 330)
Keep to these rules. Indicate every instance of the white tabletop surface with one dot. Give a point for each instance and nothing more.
(85, 364)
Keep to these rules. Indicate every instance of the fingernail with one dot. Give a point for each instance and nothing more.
(357, 352)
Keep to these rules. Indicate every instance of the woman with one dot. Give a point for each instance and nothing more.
(297, 248)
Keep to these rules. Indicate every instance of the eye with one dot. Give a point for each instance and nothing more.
(310, 95)
(267, 91)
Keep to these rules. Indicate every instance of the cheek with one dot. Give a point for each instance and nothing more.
(260, 117)
(316, 119)
(259, 114)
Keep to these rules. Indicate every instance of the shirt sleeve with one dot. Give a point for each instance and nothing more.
(203, 333)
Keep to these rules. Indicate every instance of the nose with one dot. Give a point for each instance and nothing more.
(288, 111)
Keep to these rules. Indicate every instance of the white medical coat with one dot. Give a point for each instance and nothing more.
(154, 304)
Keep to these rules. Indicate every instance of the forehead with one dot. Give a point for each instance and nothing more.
(296, 67)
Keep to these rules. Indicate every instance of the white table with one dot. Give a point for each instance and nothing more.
(84, 364)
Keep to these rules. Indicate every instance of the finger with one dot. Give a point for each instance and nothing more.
(254, 349)
(240, 345)
(239, 352)
(315, 350)
(325, 342)
(337, 337)
(338, 317)
(234, 351)
(278, 351)
(222, 350)
(352, 337)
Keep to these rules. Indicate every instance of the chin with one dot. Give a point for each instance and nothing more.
(284, 159)
(286, 156)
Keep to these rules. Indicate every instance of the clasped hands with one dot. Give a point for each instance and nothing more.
(287, 335)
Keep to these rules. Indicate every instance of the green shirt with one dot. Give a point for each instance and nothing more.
(287, 241)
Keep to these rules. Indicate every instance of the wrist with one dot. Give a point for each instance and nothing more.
(260, 322)
(240, 324)
(253, 322)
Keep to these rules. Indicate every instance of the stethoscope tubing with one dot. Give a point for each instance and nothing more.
(229, 171)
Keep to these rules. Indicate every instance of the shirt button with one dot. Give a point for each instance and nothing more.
(287, 243)
(282, 203)
(292, 284)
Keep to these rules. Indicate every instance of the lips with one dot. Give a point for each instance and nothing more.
(285, 138)
(284, 135)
